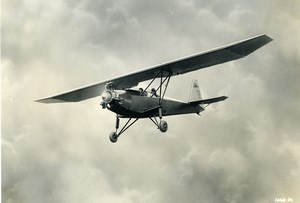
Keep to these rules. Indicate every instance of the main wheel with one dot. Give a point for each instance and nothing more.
(163, 126)
(113, 137)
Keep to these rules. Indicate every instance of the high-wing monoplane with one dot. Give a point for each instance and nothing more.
(119, 95)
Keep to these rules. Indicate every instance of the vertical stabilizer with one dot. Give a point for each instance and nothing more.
(195, 94)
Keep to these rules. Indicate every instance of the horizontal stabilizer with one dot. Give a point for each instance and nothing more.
(209, 101)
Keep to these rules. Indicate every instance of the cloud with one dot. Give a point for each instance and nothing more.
(244, 149)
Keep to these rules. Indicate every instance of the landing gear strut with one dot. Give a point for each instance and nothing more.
(161, 125)
(113, 136)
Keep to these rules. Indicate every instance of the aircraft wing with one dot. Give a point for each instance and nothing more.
(180, 66)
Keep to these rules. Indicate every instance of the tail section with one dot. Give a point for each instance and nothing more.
(196, 98)
(195, 94)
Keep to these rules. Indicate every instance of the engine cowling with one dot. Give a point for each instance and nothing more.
(108, 96)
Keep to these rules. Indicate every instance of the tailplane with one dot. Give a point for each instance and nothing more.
(209, 101)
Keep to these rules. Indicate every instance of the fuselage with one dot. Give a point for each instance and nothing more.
(133, 104)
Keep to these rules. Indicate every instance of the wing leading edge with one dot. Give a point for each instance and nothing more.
(180, 66)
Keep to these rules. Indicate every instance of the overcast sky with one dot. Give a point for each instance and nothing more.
(245, 149)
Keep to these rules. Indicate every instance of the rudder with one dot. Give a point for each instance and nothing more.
(195, 93)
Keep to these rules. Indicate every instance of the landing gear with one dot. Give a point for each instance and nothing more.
(113, 137)
(163, 126)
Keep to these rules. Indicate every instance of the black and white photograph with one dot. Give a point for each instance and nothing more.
(150, 101)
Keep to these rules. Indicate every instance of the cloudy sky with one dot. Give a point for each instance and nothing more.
(245, 149)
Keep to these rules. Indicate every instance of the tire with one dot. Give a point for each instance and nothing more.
(163, 126)
(113, 137)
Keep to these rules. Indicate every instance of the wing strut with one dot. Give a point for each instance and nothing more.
(151, 83)
(162, 125)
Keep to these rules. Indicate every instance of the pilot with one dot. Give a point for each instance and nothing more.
(141, 91)
(153, 92)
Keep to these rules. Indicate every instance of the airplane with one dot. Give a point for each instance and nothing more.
(120, 96)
